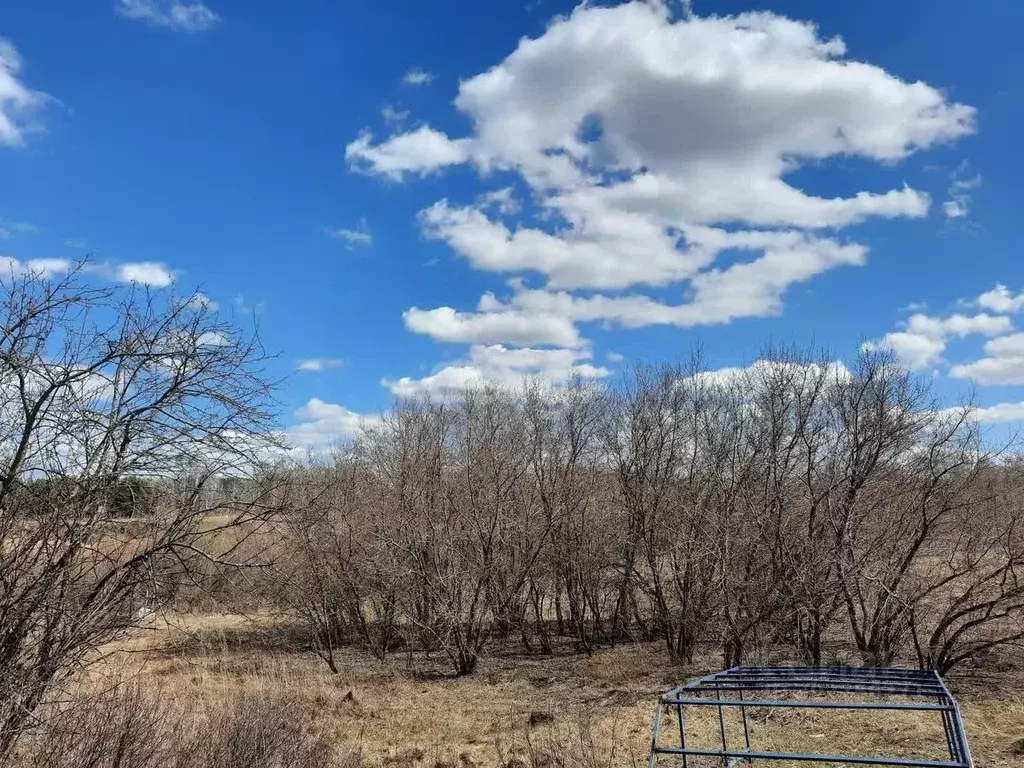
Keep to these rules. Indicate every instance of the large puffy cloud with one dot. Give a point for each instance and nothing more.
(498, 364)
(659, 152)
(652, 147)
(626, 88)
(19, 104)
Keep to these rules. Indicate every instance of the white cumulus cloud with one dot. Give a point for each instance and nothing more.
(10, 266)
(924, 340)
(150, 273)
(498, 364)
(521, 328)
(421, 152)
(320, 425)
(1001, 299)
(999, 413)
(1003, 364)
(656, 148)
(19, 104)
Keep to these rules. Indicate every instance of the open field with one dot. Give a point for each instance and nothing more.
(568, 709)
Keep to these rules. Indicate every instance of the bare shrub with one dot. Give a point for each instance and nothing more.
(121, 727)
(263, 729)
(125, 725)
(578, 743)
(755, 508)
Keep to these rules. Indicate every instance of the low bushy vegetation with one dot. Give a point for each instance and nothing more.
(795, 508)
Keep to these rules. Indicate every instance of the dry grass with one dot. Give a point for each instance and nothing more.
(568, 710)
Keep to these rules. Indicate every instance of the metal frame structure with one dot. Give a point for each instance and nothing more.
(744, 688)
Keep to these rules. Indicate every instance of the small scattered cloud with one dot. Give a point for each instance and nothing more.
(421, 152)
(9, 229)
(360, 236)
(75, 242)
(1001, 299)
(319, 364)
(922, 340)
(321, 425)
(202, 301)
(38, 267)
(914, 306)
(151, 273)
(615, 357)
(957, 206)
(417, 77)
(20, 106)
(999, 414)
(393, 116)
(244, 307)
(173, 14)
(503, 200)
(213, 339)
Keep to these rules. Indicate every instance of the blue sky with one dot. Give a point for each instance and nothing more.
(417, 196)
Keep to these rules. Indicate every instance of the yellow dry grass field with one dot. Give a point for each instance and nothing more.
(518, 711)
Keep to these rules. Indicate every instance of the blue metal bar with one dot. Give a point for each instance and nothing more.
(655, 734)
(721, 725)
(682, 729)
(891, 691)
(812, 704)
(963, 747)
(746, 733)
(911, 762)
(862, 671)
(824, 681)
(947, 729)
(904, 683)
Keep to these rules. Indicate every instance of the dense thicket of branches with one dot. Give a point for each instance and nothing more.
(794, 504)
(113, 404)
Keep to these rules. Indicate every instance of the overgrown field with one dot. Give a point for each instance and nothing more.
(239, 690)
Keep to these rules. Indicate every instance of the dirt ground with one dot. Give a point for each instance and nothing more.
(521, 710)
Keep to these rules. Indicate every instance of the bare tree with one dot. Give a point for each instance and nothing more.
(96, 385)
(574, 570)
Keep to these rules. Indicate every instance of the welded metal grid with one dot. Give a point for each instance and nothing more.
(745, 688)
